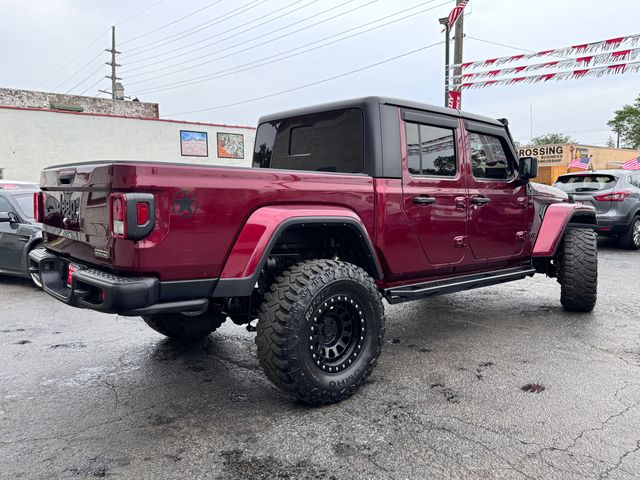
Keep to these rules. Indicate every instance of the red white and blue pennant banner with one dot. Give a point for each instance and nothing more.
(597, 72)
(593, 47)
(581, 62)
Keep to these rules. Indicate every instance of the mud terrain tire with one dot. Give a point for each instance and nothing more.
(578, 270)
(185, 327)
(320, 330)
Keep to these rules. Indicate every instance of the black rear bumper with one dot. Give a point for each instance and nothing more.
(612, 225)
(110, 293)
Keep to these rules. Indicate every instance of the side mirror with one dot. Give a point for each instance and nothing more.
(8, 217)
(528, 167)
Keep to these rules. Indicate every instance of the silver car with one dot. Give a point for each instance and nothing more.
(615, 194)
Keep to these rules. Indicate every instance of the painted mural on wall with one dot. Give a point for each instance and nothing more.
(230, 145)
(193, 144)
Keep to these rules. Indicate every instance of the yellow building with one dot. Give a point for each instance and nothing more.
(553, 160)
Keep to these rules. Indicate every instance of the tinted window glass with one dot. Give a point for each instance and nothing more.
(413, 148)
(25, 203)
(585, 183)
(635, 180)
(324, 142)
(488, 158)
(431, 150)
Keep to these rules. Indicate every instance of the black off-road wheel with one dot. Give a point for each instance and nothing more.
(578, 270)
(186, 326)
(320, 330)
(631, 239)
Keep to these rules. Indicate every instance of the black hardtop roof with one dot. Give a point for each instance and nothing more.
(360, 102)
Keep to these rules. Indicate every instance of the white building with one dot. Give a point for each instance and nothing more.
(34, 136)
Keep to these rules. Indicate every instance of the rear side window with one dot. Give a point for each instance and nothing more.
(635, 180)
(585, 183)
(5, 206)
(489, 159)
(25, 202)
(320, 142)
(431, 151)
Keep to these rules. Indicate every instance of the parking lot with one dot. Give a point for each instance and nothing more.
(497, 382)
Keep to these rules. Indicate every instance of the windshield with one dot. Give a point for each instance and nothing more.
(25, 204)
(585, 183)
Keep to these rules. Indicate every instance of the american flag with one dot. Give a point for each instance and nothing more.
(633, 164)
(581, 163)
(456, 12)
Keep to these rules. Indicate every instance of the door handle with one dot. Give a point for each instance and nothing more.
(424, 200)
(480, 200)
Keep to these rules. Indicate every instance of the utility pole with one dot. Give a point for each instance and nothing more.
(457, 53)
(447, 42)
(114, 78)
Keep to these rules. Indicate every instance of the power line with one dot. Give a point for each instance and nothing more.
(139, 13)
(499, 44)
(91, 86)
(260, 63)
(247, 41)
(77, 72)
(289, 90)
(233, 29)
(195, 29)
(172, 22)
(84, 79)
(88, 47)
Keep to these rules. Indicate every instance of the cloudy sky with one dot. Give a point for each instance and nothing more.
(213, 60)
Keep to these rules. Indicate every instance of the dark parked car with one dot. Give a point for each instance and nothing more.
(19, 233)
(615, 194)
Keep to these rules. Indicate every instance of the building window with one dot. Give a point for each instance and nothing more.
(431, 151)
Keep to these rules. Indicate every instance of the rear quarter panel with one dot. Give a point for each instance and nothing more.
(197, 245)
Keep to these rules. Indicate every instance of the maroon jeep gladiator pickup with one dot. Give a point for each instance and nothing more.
(346, 204)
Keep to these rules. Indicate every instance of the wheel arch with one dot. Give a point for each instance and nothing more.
(33, 242)
(558, 217)
(266, 227)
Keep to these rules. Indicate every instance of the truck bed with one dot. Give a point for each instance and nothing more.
(198, 211)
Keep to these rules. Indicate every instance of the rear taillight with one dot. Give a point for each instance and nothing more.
(133, 215)
(118, 215)
(38, 214)
(612, 197)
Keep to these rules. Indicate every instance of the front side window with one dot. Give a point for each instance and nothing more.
(489, 160)
(431, 151)
(321, 142)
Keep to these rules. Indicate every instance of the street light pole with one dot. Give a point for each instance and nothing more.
(447, 45)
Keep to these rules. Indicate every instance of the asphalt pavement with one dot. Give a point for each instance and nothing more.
(492, 383)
